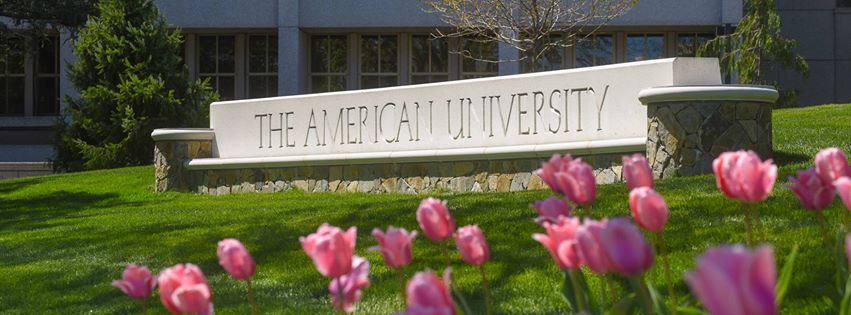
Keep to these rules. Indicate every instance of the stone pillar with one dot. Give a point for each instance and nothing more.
(173, 148)
(689, 126)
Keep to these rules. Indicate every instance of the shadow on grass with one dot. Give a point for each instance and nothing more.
(32, 212)
(785, 158)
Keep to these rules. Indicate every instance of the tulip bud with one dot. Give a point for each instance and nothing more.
(560, 241)
(472, 245)
(812, 191)
(550, 209)
(235, 259)
(331, 249)
(184, 290)
(435, 220)
(735, 280)
(636, 171)
(395, 246)
(831, 164)
(350, 285)
(742, 176)
(648, 209)
(136, 282)
(628, 251)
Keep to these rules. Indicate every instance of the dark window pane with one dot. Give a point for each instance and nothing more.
(369, 54)
(226, 54)
(419, 79)
(226, 87)
(271, 86)
(318, 54)
(635, 48)
(47, 96)
(584, 51)
(389, 54)
(337, 83)
(655, 46)
(439, 55)
(369, 82)
(257, 54)
(328, 83)
(419, 53)
(481, 53)
(207, 54)
(47, 54)
(273, 53)
(15, 98)
(337, 54)
(318, 84)
(389, 80)
(256, 86)
(686, 45)
(605, 51)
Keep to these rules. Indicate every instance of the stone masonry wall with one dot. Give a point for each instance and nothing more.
(683, 138)
(461, 176)
(169, 159)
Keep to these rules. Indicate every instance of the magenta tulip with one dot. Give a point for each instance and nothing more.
(735, 280)
(548, 170)
(742, 176)
(472, 245)
(550, 209)
(331, 249)
(636, 171)
(843, 189)
(184, 290)
(831, 164)
(560, 240)
(349, 286)
(395, 246)
(578, 183)
(812, 191)
(435, 220)
(591, 251)
(628, 251)
(428, 294)
(648, 209)
(136, 282)
(235, 259)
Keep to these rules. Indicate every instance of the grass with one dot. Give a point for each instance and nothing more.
(63, 238)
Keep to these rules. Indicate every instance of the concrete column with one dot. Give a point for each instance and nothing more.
(66, 57)
(292, 50)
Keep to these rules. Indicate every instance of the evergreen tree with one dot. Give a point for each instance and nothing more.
(131, 80)
(757, 45)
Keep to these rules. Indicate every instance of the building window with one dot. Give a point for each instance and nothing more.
(216, 62)
(47, 78)
(429, 59)
(843, 3)
(13, 80)
(688, 43)
(262, 66)
(552, 59)
(594, 50)
(328, 63)
(644, 46)
(379, 61)
(484, 54)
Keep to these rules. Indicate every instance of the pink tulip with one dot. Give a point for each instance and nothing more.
(735, 280)
(742, 176)
(427, 294)
(628, 251)
(550, 209)
(395, 246)
(636, 171)
(591, 251)
(814, 193)
(560, 240)
(831, 164)
(578, 183)
(184, 290)
(848, 248)
(843, 188)
(472, 245)
(648, 209)
(235, 259)
(548, 170)
(435, 220)
(136, 282)
(331, 249)
(351, 285)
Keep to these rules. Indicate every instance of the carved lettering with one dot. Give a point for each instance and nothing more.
(556, 111)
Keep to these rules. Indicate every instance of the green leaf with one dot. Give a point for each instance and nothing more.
(568, 292)
(690, 311)
(786, 275)
(624, 307)
(659, 305)
(845, 305)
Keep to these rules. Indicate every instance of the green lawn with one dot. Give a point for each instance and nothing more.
(63, 238)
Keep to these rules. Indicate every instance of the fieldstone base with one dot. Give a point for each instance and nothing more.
(683, 138)
(461, 176)
(170, 158)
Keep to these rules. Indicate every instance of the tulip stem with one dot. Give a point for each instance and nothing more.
(757, 222)
(747, 224)
(338, 307)
(578, 291)
(144, 306)
(664, 253)
(251, 297)
(640, 288)
(487, 290)
(401, 273)
(824, 228)
(445, 250)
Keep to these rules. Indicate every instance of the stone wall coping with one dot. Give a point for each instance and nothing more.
(752, 93)
(179, 134)
(627, 145)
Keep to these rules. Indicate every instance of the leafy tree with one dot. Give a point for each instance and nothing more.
(756, 46)
(31, 19)
(131, 80)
